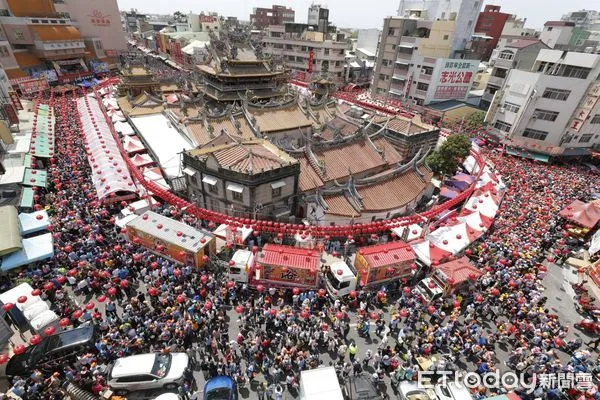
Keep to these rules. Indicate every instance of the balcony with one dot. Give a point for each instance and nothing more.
(397, 90)
(496, 81)
(421, 93)
(503, 63)
(425, 77)
(399, 77)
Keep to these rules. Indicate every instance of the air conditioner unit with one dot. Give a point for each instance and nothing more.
(501, 109)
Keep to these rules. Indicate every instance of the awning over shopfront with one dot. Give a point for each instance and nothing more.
(527, 154)
(37, 248)
(55, 33)
(10, 236)
(26, 198)
(35, 177)
(33, 222)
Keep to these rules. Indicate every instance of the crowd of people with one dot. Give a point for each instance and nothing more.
(280, 332)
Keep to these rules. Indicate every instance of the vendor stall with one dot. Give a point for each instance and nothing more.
(455, 275)
(383, 262)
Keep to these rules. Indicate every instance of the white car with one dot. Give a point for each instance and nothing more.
(147, 371)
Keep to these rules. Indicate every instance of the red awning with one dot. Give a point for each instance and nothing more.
(582, 214)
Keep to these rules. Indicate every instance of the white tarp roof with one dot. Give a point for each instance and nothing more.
(110, 172)
(595, 243)
(221, 232)
(12, 175)
(189, 49)
(320, 384)
(164, 140)
(30, 222)
(34, 249)
(414, 232)
(484, 204)
(452, 238)
(124, 128)
(474, 221)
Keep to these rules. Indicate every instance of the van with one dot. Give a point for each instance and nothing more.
(53, 351)
(429, 290)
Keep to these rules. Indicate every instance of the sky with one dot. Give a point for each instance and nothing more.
(354, 13)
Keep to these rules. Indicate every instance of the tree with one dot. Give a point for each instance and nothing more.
(446, 159)
(475, 120)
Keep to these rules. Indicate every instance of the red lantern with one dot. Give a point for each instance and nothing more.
(101, 298)
(304, 313)
(239, 309)
(494, 292)
(77, 314)
(7, 306)
(90, 305)
(322, 292)
(180, 299)
(22, 299)
(64, 322)
(48, 286)
(124, 283)
(404, 313)
(374, 315)
(260, 288)
(3, 358)
(296, 291)
(112, 291)
(19, 349)
(35, 339)
(456, 304)
(36, 292)
(478, 298)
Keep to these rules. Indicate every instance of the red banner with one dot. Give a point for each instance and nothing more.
(311, 56)
(33, 85)
(11, 113)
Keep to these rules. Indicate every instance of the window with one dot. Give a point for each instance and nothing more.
(535, 134)
(213, 188)
(506, 55)
(556, 94)
(237, 196)
(503, 126)
(470, 23)
(288, 47)
(499, 73)
(275, 192)
(545, 115)
(576, 72)
(427, 70)
(585, 138)
(512, 107)
(4, 51)
(303, 48)
(446, 37)
(595, 119)
(549, 29)
(391, 32)
(19, 35)
(326, 52)
(422, 86)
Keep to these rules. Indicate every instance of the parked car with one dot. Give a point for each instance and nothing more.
(220, 388)
(53, 351)
(412, 391)
(147, 371)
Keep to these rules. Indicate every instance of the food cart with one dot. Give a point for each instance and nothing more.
(384, 262)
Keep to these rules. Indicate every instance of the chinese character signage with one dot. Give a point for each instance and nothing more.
(455, 79)
(33, 85)
(209, 19)
(98, 18)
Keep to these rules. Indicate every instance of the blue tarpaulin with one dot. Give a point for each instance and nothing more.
(37, 248)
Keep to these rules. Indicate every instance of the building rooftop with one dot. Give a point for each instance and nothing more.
(521, 44)
(390, 253)
(559, 23)
(405, 125)
(271, 120)
(248, 157)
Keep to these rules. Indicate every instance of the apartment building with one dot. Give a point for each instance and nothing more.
(276, 15)
(521, 54)
(490, 22)
(551, 110)
(413, 63)
(586, 19)
(462, 14)
(307, 52)
(557, 33)
(514, 29)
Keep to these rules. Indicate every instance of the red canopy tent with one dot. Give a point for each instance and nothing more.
(455, 273)
(582, 214)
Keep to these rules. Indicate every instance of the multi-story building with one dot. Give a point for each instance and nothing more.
(313, 14)
(490, 23)
(307, 51)
(514, 29)
(276, 15)
(551, 110)
(460, 14)
(557, 34)
(520, 55)
(247, 178)
(413, 64)
(586, 19)
(58, 40)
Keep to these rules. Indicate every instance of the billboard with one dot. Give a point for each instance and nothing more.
(454, 78)
(48, 74)
(15, 100)
(31, 86)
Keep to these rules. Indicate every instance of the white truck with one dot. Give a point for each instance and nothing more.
(320, 384)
